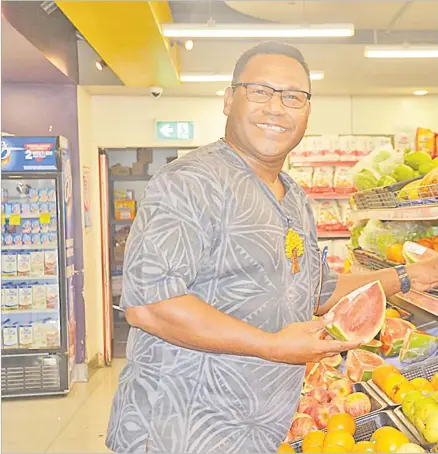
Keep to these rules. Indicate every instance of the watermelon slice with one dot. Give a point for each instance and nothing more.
(392, 335)
(361, 363)
(320, 376)
(417, 346)
(334, 361)
(359, 316)
(372, 346)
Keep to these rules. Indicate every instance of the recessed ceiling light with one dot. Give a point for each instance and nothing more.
(189, 44)
(100, 64)
(401, 51)
(184, 30)
(420, 92)
(220, 92)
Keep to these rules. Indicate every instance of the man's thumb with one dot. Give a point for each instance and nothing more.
(321, 322)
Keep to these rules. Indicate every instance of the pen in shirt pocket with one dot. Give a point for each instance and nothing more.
(324, 254)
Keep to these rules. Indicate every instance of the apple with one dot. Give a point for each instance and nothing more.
(424, 407)
(320, 394)
(302, 424)
(357, 404)
(340, 388)
(409, 448)
(434, 381)
(307, 405)
(408, 405)
(431, 428)
(339, 402)
(322, 414)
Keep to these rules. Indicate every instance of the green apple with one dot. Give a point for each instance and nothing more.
(408, 405)
(434, 395)
(408, 448)
(430, 432)
(424, 407)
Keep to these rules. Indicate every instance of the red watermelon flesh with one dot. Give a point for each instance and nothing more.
(392, 335)
(359, 316)
(360, 364)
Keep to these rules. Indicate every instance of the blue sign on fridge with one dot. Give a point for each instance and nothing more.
(28, 154)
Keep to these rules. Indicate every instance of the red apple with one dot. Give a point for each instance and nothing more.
(323, 413)
(301, 425)
(307, 405)
(320, 394)
(340, 388)
(357, 404)
(339, 402)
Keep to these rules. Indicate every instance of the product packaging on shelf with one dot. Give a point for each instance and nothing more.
(39, 296)
(25, 297)
(23, 263)
(37, 263)
(343, 180)
(303, 176)
(10, 335)
(9, 264)
(124, 210)
(25, 335)
(322, 181)
(50, 263)
(11, 298)
(329, 216)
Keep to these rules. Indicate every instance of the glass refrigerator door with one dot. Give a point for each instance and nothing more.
(30, 303)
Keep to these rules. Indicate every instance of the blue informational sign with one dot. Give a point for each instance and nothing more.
(29, 154)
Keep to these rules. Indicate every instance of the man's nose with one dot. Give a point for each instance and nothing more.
(275, 105)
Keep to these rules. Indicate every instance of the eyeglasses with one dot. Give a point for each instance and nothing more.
(296, 99)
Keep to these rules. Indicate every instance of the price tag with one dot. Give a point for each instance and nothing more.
(15, 219)
(45, 218)
(3, 219)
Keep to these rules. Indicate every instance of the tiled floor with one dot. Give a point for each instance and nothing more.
(75, 423)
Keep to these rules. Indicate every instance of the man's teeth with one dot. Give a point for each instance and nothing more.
(272, 127)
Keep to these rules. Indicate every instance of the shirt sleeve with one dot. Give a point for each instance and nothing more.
(169, 239)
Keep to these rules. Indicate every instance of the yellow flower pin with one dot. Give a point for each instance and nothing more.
(294, 248)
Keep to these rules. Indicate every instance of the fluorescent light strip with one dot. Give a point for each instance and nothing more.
(257, 31)
(401, 51)
(314, 75)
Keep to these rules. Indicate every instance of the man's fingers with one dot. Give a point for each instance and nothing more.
(320, 322)
(335, 346)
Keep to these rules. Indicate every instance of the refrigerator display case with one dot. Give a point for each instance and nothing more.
(37, 305)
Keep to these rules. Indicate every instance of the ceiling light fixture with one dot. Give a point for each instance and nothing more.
(420, 92)
(220, 92)
(100, 65)
(198, 77)
(401, 51)
(189, 44)
(257, 31)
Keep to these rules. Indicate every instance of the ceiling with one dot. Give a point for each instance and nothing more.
(347, 71)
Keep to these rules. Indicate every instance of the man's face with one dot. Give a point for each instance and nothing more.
(248, 122)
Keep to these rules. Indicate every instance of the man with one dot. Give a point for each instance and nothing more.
(221, 313)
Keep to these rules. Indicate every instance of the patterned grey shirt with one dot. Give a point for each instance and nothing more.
(210, 227)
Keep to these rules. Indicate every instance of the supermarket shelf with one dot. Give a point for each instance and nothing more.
(29, 216)
(418, 213)
(28, 278)
(323, 163)
(121, 222)
(30, 247)
(334, 234)
(329, 196)
(31, 311)
(130, 178)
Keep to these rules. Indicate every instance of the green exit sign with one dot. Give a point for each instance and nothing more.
(175, 130)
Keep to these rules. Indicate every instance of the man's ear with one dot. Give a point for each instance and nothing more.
(228, 100)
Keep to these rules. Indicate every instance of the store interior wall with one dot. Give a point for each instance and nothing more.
(51, 110)
(130, 121)
(91, 236)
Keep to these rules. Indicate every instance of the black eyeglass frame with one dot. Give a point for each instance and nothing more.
(275, 90)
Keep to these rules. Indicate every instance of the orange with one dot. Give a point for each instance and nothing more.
(381, 372)
(395, 253)
(391, 381)
(383, 432)
(334, 448)
(339, 438)
(285, 447)
(391, 442)
(426, 242)
(313, 440)
(342, 421)
(315, 449)
(364, 446)
(399, 392)
(392, 313)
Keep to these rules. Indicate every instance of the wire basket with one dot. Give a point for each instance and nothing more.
(366, 427)
(370, 260)
(395, 196)
(423, 442)
(425, 369)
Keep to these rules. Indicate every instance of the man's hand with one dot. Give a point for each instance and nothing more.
(299, 343)
(424, 274)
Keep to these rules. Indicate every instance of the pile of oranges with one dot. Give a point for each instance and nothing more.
(394, 253)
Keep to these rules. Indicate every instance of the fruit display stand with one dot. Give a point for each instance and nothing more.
(422, 441)
(367, 425)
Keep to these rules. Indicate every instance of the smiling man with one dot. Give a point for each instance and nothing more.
(221, 310)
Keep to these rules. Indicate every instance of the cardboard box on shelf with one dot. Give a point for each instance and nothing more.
(138, 168)
(144, 155)
(120, 171)
(124, 210)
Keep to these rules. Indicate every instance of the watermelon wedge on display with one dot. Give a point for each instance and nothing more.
(392, 335)
(320, 376)
(359, 316)
(360, 364)
(418, 346)
(334, 361)
(372, 346)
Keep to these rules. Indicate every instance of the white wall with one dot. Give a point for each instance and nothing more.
(91, 237)
(130, 121)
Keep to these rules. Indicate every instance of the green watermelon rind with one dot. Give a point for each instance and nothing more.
(373, 346)
(366, 373)
(418, 345)
(336, 331)
(392, 350)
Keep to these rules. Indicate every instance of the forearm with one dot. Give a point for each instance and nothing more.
(189, 322)
(349, 282)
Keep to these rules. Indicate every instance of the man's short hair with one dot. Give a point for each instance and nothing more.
(269, 48)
